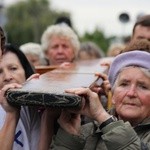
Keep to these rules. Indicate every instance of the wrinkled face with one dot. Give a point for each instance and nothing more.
(141, 32)
(11, 70)
(60, 50)
(131, 95)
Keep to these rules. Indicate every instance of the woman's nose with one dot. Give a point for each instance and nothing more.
(131, 91)
(60, 49)
(8, 77)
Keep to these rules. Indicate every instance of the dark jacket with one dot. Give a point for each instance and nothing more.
(115, 136)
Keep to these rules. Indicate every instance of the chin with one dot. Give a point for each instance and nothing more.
(129, 113)
(129, 116)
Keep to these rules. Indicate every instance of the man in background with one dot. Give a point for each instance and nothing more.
(141, 29)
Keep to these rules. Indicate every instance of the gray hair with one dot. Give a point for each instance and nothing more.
(31, 48)
(144, 70)
(91, 48)
(61, 30)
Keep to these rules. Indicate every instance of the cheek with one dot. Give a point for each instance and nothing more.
(145, 99)
(1, 81)
(118, 97)
(51, 56)
(71, 53)
(1, 85)
(21, 76)
(50, 53)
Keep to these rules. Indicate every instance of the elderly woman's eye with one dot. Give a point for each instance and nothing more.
(143, 86)
(123, 84)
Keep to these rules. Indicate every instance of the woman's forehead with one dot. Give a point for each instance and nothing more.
(134, 72)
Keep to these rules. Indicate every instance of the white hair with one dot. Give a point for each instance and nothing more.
(61, 30)
(31, 48)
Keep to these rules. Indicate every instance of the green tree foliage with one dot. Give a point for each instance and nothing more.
(26, 20)
(98, 37)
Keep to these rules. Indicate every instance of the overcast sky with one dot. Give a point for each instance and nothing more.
(88, 14)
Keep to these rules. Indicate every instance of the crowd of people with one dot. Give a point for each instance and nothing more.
(125, 126)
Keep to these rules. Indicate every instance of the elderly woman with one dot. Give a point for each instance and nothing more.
(89, 51)
(60, 44)
(34, 53)
(127, 126)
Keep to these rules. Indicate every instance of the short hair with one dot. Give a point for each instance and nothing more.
(61, 30)
(22, 58)
(140, 44)
(115, 49)
(3, 39)
(31, 48)
(143, 21)
(91, 48)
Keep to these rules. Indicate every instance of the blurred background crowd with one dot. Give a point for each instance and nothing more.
(25, 20)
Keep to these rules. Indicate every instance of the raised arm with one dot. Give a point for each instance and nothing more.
(7, 132)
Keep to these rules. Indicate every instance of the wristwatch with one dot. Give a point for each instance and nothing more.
(108, 121)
